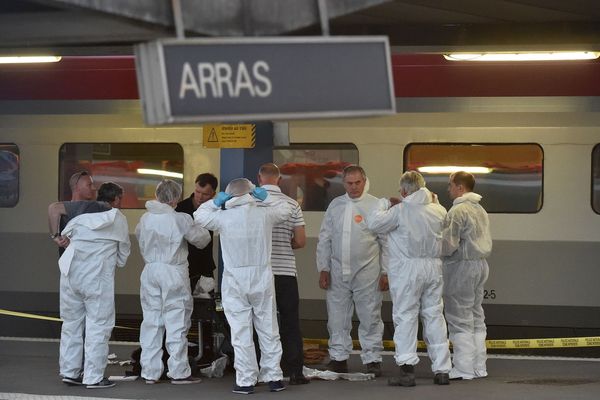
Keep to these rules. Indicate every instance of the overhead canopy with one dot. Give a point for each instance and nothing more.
(96, 27)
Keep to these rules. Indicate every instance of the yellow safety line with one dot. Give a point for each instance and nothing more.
(591, 341)
(43, 317)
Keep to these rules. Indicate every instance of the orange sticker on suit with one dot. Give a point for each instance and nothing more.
(358, 219)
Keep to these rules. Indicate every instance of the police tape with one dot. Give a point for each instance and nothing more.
(592, 341)
(46, 318)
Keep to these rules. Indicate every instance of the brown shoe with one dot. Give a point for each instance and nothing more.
(441, 379)
(298, 379)
(374, 368)
(404, 376)
(337, 366)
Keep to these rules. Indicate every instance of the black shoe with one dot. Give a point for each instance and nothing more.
(337, 366)
(298, 379)
(276, 386)
(73, 381)
(405, 376)
(441, 379)
(190, 380)
(374, 368)
(103, 384)
(243, 389)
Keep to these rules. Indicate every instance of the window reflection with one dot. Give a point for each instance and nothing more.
(9, 175)
(312, 173)
(508, 176)
(126, 164)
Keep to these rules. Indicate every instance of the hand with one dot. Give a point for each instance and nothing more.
(434, 198)
(384, 284)
(221, 198)
(260, 193)
(62, 241)
(324, 279)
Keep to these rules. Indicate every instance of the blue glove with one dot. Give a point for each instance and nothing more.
(260, 193)
(221, 198)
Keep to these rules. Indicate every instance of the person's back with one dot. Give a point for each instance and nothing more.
(419, 226)
(415, 277)
(99, 242)
(100, 238)
(162, 235)
(165, 296)
(247, 284)
(469, 221)
(248, 243)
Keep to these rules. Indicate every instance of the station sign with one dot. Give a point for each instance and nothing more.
(244, 79)
(233, 136)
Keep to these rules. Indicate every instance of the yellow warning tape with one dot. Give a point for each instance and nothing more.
(43, 317)
(387, 344)
(593, 341)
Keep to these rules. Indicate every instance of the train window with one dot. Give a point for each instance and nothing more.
(508, 176)
(311, 173)
(596, 179)
(9, 175)
(137, 167)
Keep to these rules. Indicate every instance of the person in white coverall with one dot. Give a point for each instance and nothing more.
(415, 277)
(348, 260)
(99, 242)
(247, 288)
(163, 235)
(467, 244)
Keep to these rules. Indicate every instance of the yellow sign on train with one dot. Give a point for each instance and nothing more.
(235, 136)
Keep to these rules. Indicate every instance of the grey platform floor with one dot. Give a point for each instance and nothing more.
(31, 368)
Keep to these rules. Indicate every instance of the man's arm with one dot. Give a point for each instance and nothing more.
(124, 247)
(297, 219)
(55, 212)
(299, 239)
(451, 233)
(383, 219)
(206, 215)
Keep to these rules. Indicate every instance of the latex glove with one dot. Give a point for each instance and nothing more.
(260, 193)
(221, 198)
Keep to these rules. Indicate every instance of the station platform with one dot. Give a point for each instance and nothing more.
(30, 371)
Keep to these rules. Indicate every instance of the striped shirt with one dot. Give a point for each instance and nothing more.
(283, 261)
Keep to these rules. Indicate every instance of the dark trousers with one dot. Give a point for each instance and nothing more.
(286, 293)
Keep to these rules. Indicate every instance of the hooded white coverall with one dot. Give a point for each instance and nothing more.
(467, 244)
(99, 242)
(247, 289)
(351, 254)
(415, 275)
(163, 235)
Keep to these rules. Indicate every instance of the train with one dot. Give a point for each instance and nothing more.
(535, 150)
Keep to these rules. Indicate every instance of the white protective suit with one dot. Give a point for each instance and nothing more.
(415, 275)
(247, 288)
(163, 235)
(467, 244)
(99, 242)
(351, 253)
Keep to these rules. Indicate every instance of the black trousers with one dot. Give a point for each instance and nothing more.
(286, 294)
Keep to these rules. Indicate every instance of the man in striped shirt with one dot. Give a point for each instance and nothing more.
(287, 236)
